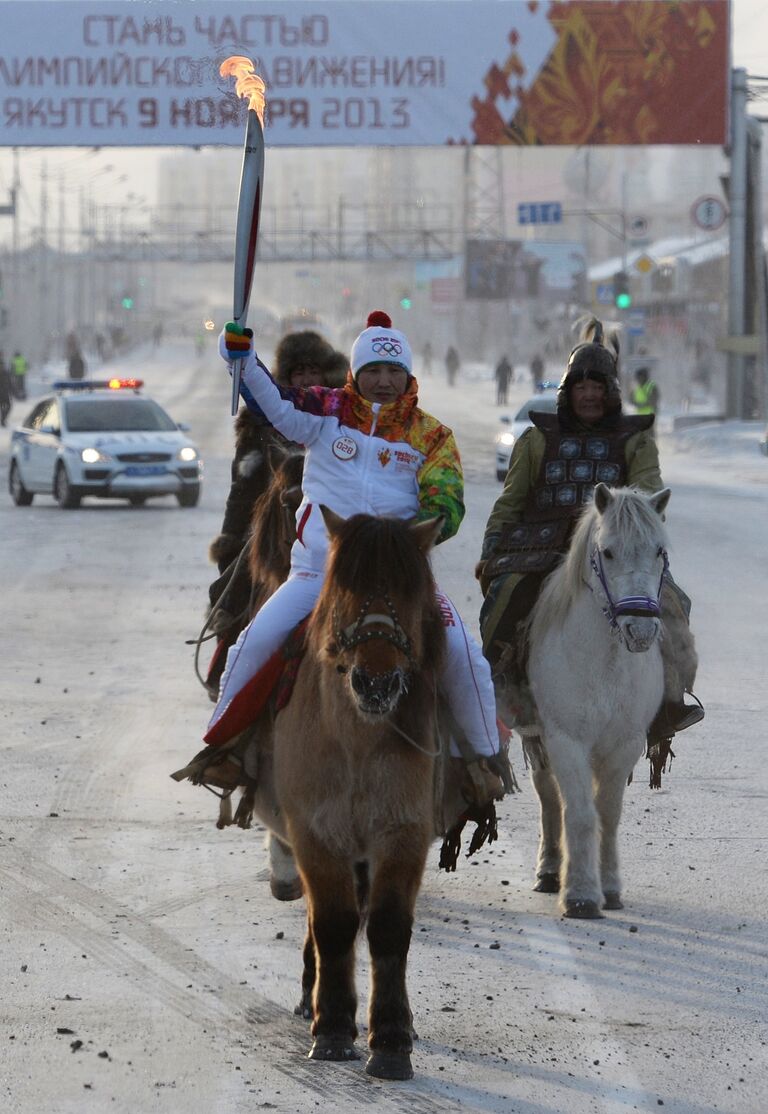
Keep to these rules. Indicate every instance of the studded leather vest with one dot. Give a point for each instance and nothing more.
(574, 461)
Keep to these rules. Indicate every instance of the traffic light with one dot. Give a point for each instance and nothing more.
(127, 302)
(621, 295)
(405, 302)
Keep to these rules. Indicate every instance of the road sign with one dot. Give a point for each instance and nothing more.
(636, 323)
(604, 293)
(539, 212)
(644, 264)
(709, 213)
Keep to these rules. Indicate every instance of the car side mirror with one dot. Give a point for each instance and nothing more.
(52, 429)
(183, 426)
(505, 419)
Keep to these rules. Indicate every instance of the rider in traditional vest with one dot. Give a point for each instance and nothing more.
(369, 449)
(645, 396)
(552, 473)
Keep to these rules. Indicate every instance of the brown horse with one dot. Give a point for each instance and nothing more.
(349, 780)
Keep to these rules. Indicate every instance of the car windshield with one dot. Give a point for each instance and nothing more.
(101, 415)
(545, 403)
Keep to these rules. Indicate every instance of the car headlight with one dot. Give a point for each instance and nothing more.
(187, 453)
(505, 439)
(93, 456)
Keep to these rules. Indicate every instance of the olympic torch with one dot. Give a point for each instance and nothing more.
(251, 87)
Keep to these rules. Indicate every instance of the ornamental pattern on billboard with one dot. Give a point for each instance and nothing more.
(365, 72)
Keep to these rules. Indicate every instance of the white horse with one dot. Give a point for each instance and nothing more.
(595, 671)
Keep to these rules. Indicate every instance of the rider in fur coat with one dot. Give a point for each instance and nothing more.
(552, 473)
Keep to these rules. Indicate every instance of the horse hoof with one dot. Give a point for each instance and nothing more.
(612, 901)
(389, 1065)
(286, 891)
(303, 1010)
(333, 1048)
(547, 883)
(584, 910)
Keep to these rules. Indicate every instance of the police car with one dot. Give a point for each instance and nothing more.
(102, 438)
(514, 428)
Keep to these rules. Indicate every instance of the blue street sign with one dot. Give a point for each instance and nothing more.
(539, 212)
(604, 293)
(636, 323)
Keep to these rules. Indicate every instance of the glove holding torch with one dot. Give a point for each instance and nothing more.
(248, 85)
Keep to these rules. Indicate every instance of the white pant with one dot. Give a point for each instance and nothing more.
(466, 675)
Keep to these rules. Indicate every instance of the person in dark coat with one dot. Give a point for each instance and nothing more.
(302, 359)
(503, 375)
(452, 364)
(6, 391)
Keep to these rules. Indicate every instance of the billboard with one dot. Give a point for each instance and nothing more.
(366, 72)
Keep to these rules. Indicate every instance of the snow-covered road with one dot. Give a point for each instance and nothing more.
(146, 967)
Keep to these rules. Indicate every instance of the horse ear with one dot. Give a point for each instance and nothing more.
(659, 500)
(333, 522)
(427, 532)
(603, 497)
(291, 498)
(276, 454)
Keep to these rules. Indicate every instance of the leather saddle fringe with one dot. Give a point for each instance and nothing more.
(486, 831)
(659, 754)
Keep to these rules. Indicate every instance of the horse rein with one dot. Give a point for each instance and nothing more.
(645, 607)
(347, 638)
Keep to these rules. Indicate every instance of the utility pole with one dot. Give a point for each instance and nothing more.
(737, 234)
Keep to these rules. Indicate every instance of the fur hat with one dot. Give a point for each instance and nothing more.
(335, 370)
(303, 349)
(593, 359)
(379, 343)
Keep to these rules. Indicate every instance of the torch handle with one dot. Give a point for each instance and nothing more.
(248, 210)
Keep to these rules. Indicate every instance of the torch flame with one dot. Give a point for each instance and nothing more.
(248, 84)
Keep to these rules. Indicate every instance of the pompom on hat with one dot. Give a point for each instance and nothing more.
(379, 343)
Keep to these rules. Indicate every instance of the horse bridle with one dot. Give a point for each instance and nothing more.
(646, 607)
(347, 638)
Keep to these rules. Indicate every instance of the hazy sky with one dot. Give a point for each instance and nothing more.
(124, 171)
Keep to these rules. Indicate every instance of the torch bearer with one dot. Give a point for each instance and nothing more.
(250, 86)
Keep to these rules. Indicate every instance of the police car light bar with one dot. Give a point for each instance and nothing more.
(98, 384)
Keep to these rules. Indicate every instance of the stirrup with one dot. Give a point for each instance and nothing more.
(222, 769)
(675, 716)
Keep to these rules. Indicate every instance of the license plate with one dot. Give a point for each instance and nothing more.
(145, 470)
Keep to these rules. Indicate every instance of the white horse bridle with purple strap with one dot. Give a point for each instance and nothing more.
(646, 607)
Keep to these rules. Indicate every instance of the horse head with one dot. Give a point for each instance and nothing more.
(377, 618)
(627, 560)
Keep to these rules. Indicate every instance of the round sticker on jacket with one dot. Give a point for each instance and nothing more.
(344, 448)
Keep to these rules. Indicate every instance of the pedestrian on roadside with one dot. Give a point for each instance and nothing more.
(503, 374)
(452, 364)
(645, 396)
(19, 369)
(426, 358)
(537, 371)
(6, 391)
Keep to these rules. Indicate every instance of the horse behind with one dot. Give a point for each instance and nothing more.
(595, 670)
(348, 782)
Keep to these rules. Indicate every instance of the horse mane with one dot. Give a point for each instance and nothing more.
(631, 521)
(370, 554)
(270, 539)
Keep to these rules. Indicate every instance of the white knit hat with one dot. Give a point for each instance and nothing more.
(379, 343)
